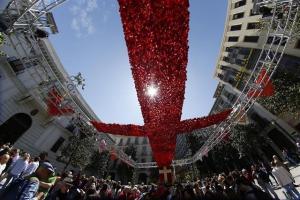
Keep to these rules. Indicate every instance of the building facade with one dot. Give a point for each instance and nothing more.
(243, 39)
(29, 69)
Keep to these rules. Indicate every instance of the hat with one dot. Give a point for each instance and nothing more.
(48, 166)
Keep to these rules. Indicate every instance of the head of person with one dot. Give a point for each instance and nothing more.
(4, 158)
(104, 187)
(26, 156)
(126, 189)
(45, 170)
(244, 172)
(43, 156)
(36, 159)
(15, 152)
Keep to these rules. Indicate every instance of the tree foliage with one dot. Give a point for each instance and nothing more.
(244, 138)
(287, 94)
(127, 172)
(99, 164)
(79, 150)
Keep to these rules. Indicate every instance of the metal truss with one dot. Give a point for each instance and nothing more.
(281, 30)
(22, 18)
(24, 13)
(269, 59)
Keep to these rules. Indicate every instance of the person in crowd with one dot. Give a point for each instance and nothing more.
(125, 194)
(47, 182)
(285, 180)
(29, 187)
(268, 169)
(263, 181)
(14, 156)
(38, 181)
(43, 157)
(5, 149)
(32, 166)
(16, 169)
(248, 176)
(3, 160)
(287, 157)
(248, 192)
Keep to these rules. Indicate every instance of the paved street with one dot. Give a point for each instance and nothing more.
(296, 174)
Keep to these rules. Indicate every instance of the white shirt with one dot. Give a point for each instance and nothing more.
(31, 168)
(18, 167)
(2, 167)
(15, 158)
(282, 176)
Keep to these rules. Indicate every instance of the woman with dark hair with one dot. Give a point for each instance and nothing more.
(105, 193)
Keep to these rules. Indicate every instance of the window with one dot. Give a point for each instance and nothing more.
(239, 62)
(233, 39)
(57, 144)
(226, 59)
(240, 3)
(136, 141)
(253, 25)
(297, 46)
(128, 141)
(244, 51)
(252, 13)
(121, 142)
(238, 16)
(276, 40)
(229, 49)
(252, 39)
(144, 150)
(235, 27)
(224, 68)
(16, 65)
(145, 140)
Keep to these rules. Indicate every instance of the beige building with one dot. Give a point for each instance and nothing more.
(243, 40)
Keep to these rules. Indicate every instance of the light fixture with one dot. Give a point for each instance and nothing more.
(151, 91)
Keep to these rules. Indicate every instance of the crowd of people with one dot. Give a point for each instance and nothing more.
(35, 178)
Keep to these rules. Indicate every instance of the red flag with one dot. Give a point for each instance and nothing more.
(54, 104)
(268, 87)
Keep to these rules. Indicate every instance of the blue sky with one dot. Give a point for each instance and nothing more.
(91, 41)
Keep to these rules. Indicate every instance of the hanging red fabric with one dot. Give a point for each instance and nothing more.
(156, 35)
(54, 104)
(267, 86)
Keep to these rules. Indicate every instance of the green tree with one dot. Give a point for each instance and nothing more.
(287, 94)
(99, 164)
(78, 152)
(126, 172)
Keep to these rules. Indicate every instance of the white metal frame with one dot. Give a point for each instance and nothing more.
(23, 17)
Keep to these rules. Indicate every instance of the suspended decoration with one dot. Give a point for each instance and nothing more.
(55, 104)
(267, 86)
(156, 34)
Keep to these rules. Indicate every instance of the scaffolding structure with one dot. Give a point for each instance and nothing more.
(24, 23)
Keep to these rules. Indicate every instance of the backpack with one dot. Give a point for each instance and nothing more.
(20, 189)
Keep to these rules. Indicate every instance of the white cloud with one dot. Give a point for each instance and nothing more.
(82, 12)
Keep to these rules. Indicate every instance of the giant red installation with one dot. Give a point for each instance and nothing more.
(156, 34)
